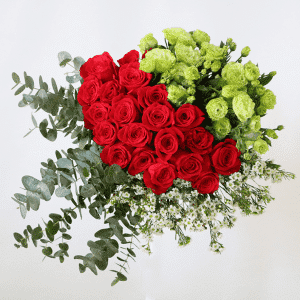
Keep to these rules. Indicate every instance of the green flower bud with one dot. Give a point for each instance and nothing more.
(261, 146)
(268, 100)
(260, 90)
(251, 71)
(280, 127)
(147, 42)
(176, 93)
(217, 108)
(272, 134)
(255, 83)
(178, 35)
(232, 46)
(203, 71)
(254, 123)
(191, 73)
(163, 59)
(243, 106)
(222, 127)
(247, 156)
(191, 91)
(190, 99)
(216, 66)
(245, 51)
(207, 64)
(229, 41)
(234, 74)
(261, 110)
(230, 90)
(248, 144)
(273, 73)
(214, 52)
(188, 55)
(200, 37)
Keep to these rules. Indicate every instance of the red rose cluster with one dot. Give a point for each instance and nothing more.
(141, 130)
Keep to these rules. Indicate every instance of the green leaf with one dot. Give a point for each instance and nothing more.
(41, 81)
(115, 281)
(29, 229)
(43, 127)
(33, 120)
(54, 86)
(78, 62)
(63, 58)
(18, 246)
(18, 237)
(16, 77)
(20, 89)
(121, 276)
(86, 172)
(52, 228)
(93, 212)
(23, 211)
(29, 82)
(73, 78)
(44, 241)
(24, 243)
(22, 103)
(66, 236)
(104, 233)
(82, 268)
(131, 252)
(120, 259)
(52, 135)
(37, 233)
(67, 176)
(76, 131)
(21, 197)
(43, 189)
(47, 251)
(42, 94)
(61, 259)
(64, 246)
(88, 190)
(65, 163)
(58, 155)
(33, 200)
(27, 98)
(62, 191)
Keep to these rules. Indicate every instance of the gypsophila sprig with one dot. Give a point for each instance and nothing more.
(169, 140)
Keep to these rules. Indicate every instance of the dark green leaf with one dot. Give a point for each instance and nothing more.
(68, 219)
(120, 259)
(104, 233)
(121, 276)
(16, 77)
(18, 246)
(44, 241)
(43, 127)
(29, 82)
(29, 229)
(115, 281)
(47, 251)
(64, 246)
(18, 237)
(52, 228)
(62, 229)
(66, 236)
(52, 135)
(20, 89)
(37, 233)
(82, 268)
(54, 86)
(58, 155)
(131, 252)
(24, 243)
(61, 259)
(62, 191)
(73, 214)
(93, 212)
(63, 58)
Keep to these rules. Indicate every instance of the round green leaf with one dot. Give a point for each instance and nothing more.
(29, 82)
(33, 200)
(18, 237)
(62, 191)
(47, 251)
(63, 58)
(52, 135)
(66, 236)
(37, 233)
(16, 77)
(64, 163)
(82, 268)
(78, 62)
(64, 246)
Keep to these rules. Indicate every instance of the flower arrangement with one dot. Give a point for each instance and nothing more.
(164, 140)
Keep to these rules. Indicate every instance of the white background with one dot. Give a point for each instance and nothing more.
(261, 259)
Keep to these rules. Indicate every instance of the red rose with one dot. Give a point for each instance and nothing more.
(188, 116)
(132, 77)
(199, 140)
(167, 141)
(102, 66)
(224, 157)
(159, 177)
(142, 158)
(87, 123)
(135, 134)
(188, 165)
(97, 112)
(125, 109)
(109, 90)
(143, 56)
(158, 116)
(88, 92)
(105, 133)
(207, 183)
(118, 153)
(131, 56)
(149, 94)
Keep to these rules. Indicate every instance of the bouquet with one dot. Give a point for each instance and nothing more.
(167, 141)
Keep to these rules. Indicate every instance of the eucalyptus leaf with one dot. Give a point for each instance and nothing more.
(42, 94)
(28, 98)
(30, 183)
(21, 197)
(88, 190)
(33, 200)
(33, 120)
(74, 78)
(63, 58)
(20, 89)
(54, 86)
(16, 77)
(29, 82)
(62, 191)
(22, 103)
(78, 62)
(65, 163)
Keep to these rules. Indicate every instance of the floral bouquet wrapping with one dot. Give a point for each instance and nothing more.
(168, 141)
